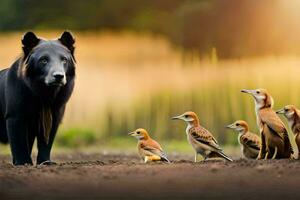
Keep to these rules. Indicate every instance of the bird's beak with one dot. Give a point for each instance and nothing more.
(248, 91)
(131, 133)
(231, 126)
(281, 111)
(177, 117)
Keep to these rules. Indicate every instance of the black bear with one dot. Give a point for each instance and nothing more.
(33, 96)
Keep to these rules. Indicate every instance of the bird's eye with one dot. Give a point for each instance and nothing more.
(138, 132)
(186, 116)
(237, 124)
(286, 109)
(257, 92)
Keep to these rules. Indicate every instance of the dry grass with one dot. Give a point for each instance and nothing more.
(128, 80)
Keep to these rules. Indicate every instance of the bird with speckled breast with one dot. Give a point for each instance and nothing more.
(250, 142)
(275, 143)
(292, 115)
(201, 139)
(149, 149)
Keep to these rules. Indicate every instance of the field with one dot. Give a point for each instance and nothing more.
(130, 80)
(123, 176)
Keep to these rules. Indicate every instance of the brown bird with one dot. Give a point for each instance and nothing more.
(275, 142)
(148, 149)
(293, 117)
(250, 142)
(201, 139)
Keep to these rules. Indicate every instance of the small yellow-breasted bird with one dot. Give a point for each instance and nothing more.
(275, 141)
(201, 139)
(148, 149)
(250, 142)
(293, 117)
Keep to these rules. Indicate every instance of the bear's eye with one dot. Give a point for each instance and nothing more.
(44, 61)
(64, 60)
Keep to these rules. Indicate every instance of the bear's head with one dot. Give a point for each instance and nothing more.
(48, 63)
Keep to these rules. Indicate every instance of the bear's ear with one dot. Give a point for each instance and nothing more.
(29, 41)
(68, 41)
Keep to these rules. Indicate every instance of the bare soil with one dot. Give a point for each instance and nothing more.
(114, 176)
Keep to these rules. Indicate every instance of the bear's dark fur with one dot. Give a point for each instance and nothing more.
(33, 96)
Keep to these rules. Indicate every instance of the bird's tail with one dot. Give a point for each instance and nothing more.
(224, 156)
(165, 159)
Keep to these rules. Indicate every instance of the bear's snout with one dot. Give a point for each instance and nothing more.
(58, 76)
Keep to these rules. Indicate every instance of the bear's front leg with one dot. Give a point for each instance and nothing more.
(44, 149)
(17, 130)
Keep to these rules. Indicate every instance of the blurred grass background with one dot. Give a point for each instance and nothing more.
(142, 62)
(119, 89)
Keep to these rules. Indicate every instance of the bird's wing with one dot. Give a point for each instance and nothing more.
(296, 129)
(269, 117)
(151, 147)
(202, 135)
(250, 141)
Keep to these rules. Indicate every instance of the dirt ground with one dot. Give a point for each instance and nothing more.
(111, 176)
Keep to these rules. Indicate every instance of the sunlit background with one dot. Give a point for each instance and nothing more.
(140, 62)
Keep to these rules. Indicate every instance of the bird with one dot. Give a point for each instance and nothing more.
(250, 142)
(148, 149)
(275, 141)
(293, 117)
(201, 139)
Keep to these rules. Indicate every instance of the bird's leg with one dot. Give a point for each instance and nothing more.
(196, 156)
(262, 150)
(275, 153)
(146, 159)
(259, 155)
(266, 156)
(293, 156)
